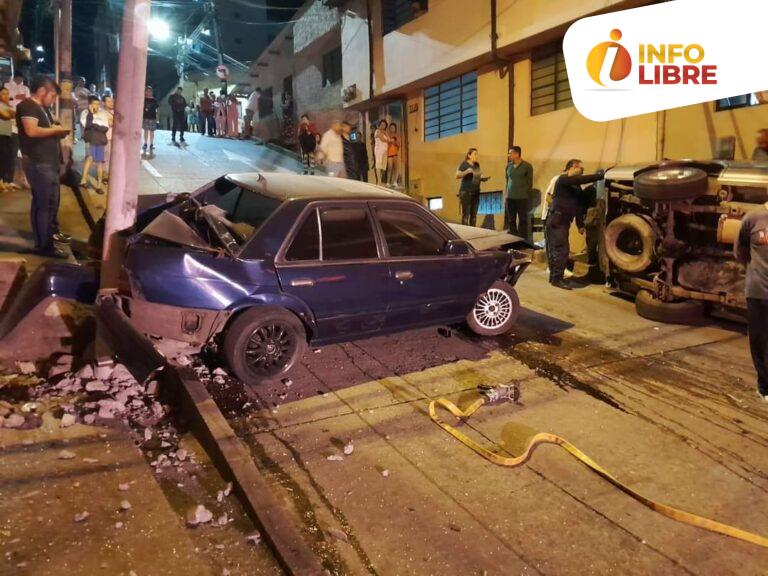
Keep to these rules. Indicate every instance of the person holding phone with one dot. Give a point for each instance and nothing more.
(469, 190)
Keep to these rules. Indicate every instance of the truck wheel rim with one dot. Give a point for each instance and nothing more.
(269, 349)
(493, 309)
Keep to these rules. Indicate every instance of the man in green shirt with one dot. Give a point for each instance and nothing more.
(519, 188)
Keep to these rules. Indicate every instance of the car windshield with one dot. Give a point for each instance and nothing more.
(241, 210)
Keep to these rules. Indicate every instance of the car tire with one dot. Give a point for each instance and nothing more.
(671, 183)
(626, 261)
(684, 312)
(495, 311)
(263, 344)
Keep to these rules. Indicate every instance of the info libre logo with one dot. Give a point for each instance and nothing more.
(609, 63)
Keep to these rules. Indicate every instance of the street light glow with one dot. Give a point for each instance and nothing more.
(159, 29)
(40, 48)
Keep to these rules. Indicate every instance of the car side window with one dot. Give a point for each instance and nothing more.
(347, 234)
(407, 234)
(306, 243)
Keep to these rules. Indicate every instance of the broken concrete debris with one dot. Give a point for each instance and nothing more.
(66, 455)
(67, 420)
(26, 368)
(199, 515)
(254, 538)
(349, 448)
(80, 517)
(125, 505)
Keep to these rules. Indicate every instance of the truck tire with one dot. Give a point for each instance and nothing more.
(641, 234)
(671, 183)
(264, 343)
(685, 312)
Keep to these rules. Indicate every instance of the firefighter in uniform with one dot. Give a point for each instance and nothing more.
(566, 205)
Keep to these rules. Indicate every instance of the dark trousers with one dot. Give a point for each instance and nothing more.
(757, 315)
(558, 227)
(44, 182)
(209, 124)
(517, 210)
(7, 159)
(469, 205)
(179, 125)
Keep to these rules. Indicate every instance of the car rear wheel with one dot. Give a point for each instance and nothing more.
(264, 343)
(671, 183)
(495, 311)
(684, 312)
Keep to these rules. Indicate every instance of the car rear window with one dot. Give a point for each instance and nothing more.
(347, 234)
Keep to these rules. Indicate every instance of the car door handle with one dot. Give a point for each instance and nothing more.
(302, 283)
(404, 275)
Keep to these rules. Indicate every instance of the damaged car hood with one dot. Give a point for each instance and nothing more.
(484, 239)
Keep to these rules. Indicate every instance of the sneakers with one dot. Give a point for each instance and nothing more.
(567, 274)
(144, 148)
(763, 397)
(151, 146)
(62, 238)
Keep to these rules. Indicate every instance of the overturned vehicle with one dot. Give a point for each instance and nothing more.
(669, 231)
(258, 266)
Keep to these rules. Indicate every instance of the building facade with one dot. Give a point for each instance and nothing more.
(436, 65)
(300, 72)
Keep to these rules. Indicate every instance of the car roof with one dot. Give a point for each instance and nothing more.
(283, 186)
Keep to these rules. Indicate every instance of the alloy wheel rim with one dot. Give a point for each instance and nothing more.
(493, 309)
(269, 349)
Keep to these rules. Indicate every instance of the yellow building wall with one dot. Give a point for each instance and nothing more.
(432, 165)
(692, 131)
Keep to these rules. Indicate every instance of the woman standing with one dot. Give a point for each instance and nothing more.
(220, 113)
(308, 138)
(7, 157)
(288, 124)
(233, 117)
(380, 150)
(393, 157)
(469, 190)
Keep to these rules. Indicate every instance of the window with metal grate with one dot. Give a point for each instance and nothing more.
(550, 89)
(451, 107)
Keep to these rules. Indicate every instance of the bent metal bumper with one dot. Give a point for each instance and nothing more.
(194, 326)
(518, 263)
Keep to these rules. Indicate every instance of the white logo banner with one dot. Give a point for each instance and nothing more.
(666, 55)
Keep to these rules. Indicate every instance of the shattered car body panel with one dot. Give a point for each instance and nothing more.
(204, 258)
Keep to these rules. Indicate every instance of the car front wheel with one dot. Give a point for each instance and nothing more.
(495, 311)
(263, 344)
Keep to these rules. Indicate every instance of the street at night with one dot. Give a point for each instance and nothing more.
(262, 312)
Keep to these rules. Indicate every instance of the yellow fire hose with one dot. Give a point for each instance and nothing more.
(533, 439)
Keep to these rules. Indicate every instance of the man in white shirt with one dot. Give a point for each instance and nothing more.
(251, 109)
(17, 89)
(330, 151)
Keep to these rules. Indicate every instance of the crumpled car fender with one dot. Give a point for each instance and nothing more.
(276, 300)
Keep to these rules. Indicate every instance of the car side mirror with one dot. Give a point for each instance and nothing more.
(457, 248)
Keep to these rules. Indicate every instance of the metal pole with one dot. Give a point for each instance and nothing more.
(217, 38)
(65, 65)
(56, 47)
(126, 135)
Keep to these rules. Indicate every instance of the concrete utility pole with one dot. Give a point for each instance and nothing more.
(217, 38)
(64, 58)
(125, 158)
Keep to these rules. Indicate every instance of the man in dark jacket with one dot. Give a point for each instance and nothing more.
(178, 105)
(350, 158)
(567, 204)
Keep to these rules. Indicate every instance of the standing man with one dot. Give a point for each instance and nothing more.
(752, 250)
(251, 109)
(566, 205)
(149, 119)
(206, 111)
(40, 153)
(81, 95)
(350, 161)
(178, 105)
(331, 151)
(519, 190)
(760, 153)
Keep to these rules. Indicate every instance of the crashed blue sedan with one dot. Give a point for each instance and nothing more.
(259, 266)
